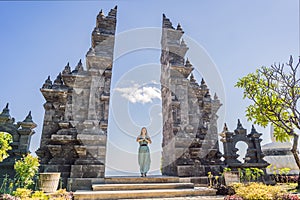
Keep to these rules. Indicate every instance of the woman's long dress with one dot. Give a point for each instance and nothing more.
(144, 156)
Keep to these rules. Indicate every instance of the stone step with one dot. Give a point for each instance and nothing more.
(139, 194)
(139, 186)
(136, 179)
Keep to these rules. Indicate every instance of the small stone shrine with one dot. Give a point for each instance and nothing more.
(254, 156)
(21, 133)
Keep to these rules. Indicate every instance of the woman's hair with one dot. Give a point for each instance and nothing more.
(145, 129)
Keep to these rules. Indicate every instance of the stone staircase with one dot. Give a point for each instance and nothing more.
(142, 187)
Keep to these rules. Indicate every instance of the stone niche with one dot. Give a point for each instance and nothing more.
(21, 133)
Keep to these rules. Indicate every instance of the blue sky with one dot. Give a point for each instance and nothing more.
(38, 38)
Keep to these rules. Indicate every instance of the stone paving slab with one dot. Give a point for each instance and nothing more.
(186, 198)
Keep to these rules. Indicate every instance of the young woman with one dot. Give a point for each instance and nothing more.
(144, 153)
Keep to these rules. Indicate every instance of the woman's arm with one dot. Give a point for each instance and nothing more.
(148, 140)
(138, 139)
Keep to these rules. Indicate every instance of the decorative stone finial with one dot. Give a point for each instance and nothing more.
(239, 125)
(78, 68)
(113, 12)
(225, 128)
(182, 43)
(192, 78)
(216, 96)
(187, 63)
(179, 28)
(47, 84)
(58, 81)
(207, 94)
(27, 125)
(28, 118)
(67, 69)
(5, 112)
(166, 22)
(101, 13)
(253, 130)
(202, 82)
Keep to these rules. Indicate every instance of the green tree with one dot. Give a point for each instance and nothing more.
(275, 92)
(5, 140)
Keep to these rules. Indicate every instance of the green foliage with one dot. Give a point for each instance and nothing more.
(274, 92)
(5, 140)
(250, 174)
(226, 169)
(284, 170)
(26, 169)
(247, 174)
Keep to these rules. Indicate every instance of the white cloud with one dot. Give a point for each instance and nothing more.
(140, 94)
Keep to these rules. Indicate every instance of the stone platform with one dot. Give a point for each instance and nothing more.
(142, 187)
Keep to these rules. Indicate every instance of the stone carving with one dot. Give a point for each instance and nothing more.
(21, 133)
(190, 137)
(254, 155)
(76, 111)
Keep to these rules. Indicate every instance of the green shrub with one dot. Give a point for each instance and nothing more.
(26, 169)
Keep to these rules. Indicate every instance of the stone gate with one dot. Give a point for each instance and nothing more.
(77, 106)
(254, 155)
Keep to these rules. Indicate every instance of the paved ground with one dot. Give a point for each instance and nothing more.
(187, 198)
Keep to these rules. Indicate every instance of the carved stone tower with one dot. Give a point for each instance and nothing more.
(76, 111)
(190, 136)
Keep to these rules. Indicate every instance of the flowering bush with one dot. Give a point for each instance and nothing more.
(288, 197)
(5, 140)
(257, 191)
(22, 193)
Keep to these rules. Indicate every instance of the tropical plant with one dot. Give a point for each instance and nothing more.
(5, 140)
(275, 93)
(26, 169)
